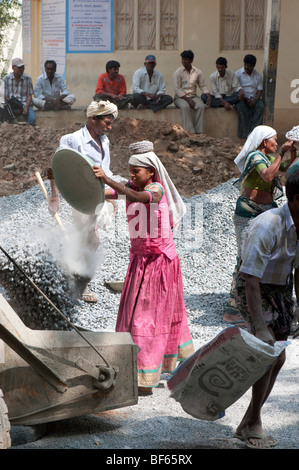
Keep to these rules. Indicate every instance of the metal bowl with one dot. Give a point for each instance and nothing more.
(76, 181)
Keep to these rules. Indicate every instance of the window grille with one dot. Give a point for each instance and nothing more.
(146, 24)
(242, 24)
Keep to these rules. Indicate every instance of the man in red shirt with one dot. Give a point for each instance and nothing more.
(112, 86)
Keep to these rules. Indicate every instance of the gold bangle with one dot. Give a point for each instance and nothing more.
(54, 198)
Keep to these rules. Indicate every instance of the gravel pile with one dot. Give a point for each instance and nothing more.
(42, 268)
(207, 252)
(205, 245)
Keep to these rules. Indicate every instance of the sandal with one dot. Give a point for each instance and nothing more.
(233, 319)
(88, 296)
(270, 440)
(267, 441)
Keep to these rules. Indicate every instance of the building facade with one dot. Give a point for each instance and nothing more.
(131, 29)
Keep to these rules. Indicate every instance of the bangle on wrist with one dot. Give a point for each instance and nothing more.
(281, 152)
(54, 198)
(123, 190)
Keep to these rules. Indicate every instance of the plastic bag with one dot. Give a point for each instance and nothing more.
(220, 372)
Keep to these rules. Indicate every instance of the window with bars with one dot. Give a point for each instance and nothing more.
(242, 24)
(146, 24)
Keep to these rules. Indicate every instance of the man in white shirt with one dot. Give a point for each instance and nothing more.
(250, 108)
(186, 80)
(149, 87)
(267, 278)
(92, 141)
(51, 92)
(225, 86)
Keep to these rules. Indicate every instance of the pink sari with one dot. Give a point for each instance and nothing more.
(152, 306)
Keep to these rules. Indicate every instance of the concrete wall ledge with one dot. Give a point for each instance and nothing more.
(218, 122)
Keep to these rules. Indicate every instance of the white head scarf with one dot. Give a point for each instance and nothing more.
(102, 108)
(253, 142)
(142, 155)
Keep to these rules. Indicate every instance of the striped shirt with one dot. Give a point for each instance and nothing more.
(271, 250)
(186, 83)
(20, 89)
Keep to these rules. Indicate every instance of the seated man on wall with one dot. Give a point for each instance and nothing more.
(112, 86)
(250, 108)
(149, 87)
(186, 79)
(51, 92)
(18, 91)
(225, 86)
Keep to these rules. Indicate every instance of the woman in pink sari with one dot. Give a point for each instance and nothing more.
(152, 306)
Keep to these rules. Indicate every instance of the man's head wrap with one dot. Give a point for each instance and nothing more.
(102, 108)
(142, 155)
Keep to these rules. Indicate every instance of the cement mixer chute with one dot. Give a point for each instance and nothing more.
(32, 398)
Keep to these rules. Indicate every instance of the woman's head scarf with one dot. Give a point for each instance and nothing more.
(253, 142)
(142, 154)
(102, 108)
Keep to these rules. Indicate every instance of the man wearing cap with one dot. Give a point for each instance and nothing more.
(51, 91)
(90, 140)
(186, 80)
(149, 87)
(18, 85)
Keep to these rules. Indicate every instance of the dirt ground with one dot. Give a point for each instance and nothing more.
(196, 163)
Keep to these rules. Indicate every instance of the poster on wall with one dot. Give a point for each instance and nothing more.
(53, 37)
(26, 26)
(89, 26)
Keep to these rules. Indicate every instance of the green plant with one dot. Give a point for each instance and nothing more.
(9, 15)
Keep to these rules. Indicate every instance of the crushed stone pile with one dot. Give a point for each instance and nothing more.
(39, 264)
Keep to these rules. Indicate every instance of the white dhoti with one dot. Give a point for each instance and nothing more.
(40, 103)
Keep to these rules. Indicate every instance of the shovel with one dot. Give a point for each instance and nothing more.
(44, 189)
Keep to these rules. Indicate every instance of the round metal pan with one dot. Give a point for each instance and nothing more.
(76, 181)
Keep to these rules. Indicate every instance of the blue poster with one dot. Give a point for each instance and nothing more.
(89, 26)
